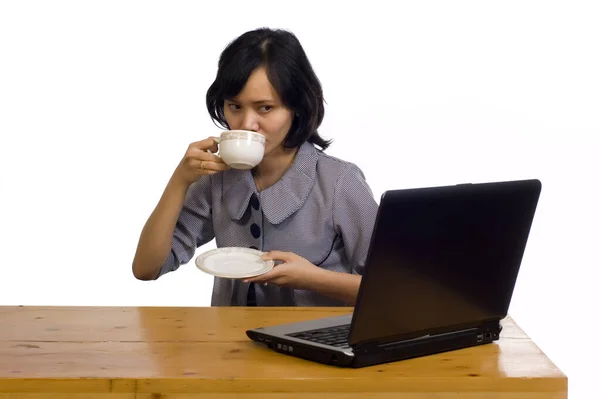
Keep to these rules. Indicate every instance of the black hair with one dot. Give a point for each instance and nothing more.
(289, 71)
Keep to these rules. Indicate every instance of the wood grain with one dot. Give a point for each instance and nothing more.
(177, 353)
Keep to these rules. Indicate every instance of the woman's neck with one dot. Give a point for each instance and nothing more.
(272, 167)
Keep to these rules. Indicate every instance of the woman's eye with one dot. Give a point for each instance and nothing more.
(266, 108)
(234, 107)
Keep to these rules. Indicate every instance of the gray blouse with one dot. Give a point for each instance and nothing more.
(321, 209)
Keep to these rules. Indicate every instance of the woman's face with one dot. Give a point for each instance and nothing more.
(258, 108)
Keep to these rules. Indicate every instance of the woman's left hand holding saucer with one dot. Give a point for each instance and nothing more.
(293, 271)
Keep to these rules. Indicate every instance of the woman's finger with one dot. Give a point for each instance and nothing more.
(204, 156)
(280, 255)
(264, 278)
(209, 166)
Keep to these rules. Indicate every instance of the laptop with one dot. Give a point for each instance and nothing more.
(439, 276)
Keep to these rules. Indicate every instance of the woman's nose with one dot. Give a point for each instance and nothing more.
(250, 121)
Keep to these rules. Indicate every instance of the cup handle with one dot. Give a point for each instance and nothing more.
(218, 141)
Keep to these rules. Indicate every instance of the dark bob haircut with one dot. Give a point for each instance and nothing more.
(288, 70)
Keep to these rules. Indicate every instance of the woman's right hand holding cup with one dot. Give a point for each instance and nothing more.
(199, 160)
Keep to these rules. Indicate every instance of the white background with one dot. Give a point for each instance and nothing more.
(99, 100)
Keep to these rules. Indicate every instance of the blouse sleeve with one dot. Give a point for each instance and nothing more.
(194, 226)
(354, 213)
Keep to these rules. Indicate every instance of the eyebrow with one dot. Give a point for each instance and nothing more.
(253, 102)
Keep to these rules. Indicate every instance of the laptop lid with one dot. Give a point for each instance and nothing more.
(443, 259)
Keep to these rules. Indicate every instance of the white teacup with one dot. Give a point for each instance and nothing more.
(241, 149)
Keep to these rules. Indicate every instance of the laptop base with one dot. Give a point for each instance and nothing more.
(377, 354)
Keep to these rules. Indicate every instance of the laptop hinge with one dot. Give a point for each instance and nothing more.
(375, 346)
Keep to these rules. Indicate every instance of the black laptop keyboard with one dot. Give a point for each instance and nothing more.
(334, 336)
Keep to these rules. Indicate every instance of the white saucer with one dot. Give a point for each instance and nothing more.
(233, 262)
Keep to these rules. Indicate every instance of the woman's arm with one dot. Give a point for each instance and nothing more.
(157, 235)
(181, 220)
(340, 286)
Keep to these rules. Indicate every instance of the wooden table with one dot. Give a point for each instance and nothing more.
(186, 353)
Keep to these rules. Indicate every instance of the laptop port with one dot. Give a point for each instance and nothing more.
(480, 337)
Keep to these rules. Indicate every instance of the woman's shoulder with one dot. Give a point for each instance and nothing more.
(336, 168)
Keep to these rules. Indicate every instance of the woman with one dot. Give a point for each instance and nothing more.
(310, 211)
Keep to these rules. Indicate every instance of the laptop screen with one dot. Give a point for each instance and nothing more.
(443, 258)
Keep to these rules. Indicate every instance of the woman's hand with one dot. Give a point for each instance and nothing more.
(295, 271)
(298, 273)
(199, 160)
